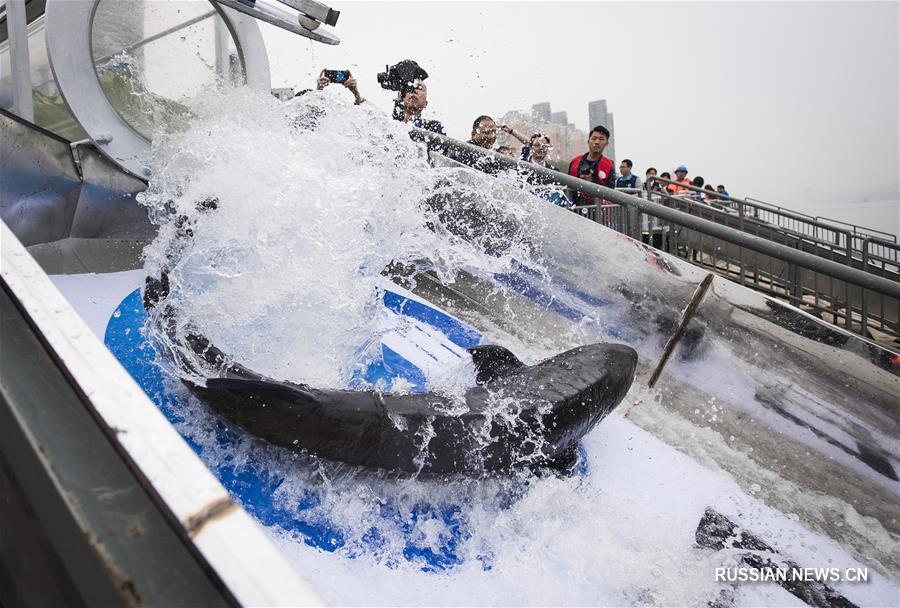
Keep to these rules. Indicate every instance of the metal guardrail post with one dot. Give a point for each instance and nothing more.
(634, 223)
(848, 302)
(796, 288)
(708, 227)
(743, 228)
(863, 298)
(20, 59)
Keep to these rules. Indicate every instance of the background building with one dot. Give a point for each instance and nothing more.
(541, 111)
(598, 114)
(559, 118)
(567, 139)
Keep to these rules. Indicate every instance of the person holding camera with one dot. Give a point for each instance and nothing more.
(343, 77)
(593, 166)
(407, 79)
(313, 112)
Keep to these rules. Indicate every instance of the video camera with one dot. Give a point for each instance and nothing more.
(401, 76)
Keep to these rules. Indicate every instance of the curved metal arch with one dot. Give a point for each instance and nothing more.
(69, 49)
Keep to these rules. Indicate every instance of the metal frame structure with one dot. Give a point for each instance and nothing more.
(19, 58)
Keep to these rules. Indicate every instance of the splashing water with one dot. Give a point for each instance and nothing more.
(285, 274)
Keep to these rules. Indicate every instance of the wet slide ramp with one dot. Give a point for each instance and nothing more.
(788, 415)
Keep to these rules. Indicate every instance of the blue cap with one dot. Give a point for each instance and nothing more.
(681, 168)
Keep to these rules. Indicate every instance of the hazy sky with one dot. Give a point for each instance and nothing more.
(794, 103)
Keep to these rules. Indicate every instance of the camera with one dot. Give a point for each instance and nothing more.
(401, 76)
(336, 76)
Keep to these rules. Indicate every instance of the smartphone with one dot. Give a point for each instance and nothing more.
(338, 76)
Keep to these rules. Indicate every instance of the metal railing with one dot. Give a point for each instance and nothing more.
(819, 292)
(868, 252)
(858, 231)
(860, 237)
(611, 215)
(854, 241)
(881, 257)
(817, 273)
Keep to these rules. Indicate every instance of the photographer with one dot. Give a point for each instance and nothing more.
(344, 77)
(312, 111)
(407, 79)
(592, 166)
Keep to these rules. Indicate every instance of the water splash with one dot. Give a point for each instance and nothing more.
(285, 275)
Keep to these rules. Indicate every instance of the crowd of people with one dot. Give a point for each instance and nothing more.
(680, 185)
(407, 78)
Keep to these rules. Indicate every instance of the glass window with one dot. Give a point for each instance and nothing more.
(152, 56)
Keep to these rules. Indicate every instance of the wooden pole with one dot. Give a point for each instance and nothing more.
(686, 317)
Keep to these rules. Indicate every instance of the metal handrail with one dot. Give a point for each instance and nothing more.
(773, 207)
(819, 219)
(854, 241)
(880, 241)
(867, 254)
(893, 237)
(786, 231)
(852, 245)
(754, 243)
(741, 203)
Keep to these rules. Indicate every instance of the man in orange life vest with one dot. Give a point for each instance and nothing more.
(593, 166)
(680, 177)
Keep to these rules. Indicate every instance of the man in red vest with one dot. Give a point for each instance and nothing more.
(593, 166)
